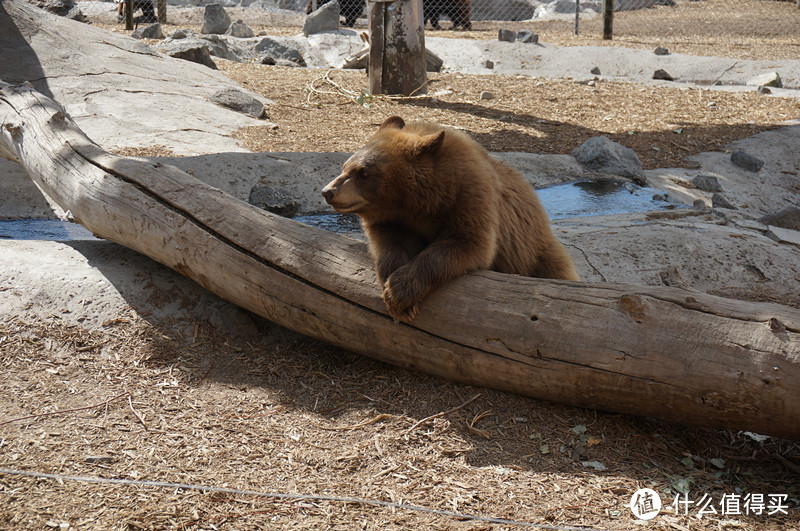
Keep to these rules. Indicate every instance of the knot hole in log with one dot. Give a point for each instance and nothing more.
(634, 307)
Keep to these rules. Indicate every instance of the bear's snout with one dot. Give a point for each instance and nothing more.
(327, 193)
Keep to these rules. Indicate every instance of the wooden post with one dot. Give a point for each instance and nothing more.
(397, 47)
(608, 19)
(162, 11)
(128, 14)
(577, 15)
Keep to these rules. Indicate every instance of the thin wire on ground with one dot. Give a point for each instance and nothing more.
(286, 496)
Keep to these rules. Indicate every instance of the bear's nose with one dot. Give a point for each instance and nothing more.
(328, 195)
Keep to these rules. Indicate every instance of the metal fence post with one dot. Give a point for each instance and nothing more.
(162, 11)
(397, 47)
(608, 19)
(128, 14)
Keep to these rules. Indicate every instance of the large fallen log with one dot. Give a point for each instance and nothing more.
(653, 351)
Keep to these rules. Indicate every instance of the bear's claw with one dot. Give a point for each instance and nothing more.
(398, 313)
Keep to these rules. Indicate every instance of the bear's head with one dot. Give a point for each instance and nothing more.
(388, 173)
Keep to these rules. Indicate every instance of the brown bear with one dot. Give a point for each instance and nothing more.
(434, 205)
(458, 11)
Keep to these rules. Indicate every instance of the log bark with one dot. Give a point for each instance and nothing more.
(654, 351)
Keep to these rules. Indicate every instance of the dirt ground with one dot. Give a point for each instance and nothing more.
(663, 125)
(273, 412)
(280, 413)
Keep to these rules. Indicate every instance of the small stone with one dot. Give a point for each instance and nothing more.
(699, 204)
(746, 161)
(770, 79)
(595, 71)
(788, 218)
(660, 50)
(486, 95)
(711, 105)
(707, 183)
(505, 35)
(527, 37)
(663, 75)
(718, 201)
(763, 90)
(99, 459)
(273, 199)
(488, 64)
(178, 34)
(240, 29)
(153, 31)
(238, 101)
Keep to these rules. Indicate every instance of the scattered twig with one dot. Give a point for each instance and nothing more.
(373, 420)
(63, 411)
(788, 464)
(138, 416)
(441, 414)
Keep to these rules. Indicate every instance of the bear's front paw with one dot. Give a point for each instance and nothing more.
(401, 308)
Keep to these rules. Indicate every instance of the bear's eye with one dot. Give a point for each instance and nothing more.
(361, 173)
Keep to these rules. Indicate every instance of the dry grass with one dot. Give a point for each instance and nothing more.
(663, 125)
(282, 413)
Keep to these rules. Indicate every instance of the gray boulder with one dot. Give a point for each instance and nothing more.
(662, 75)
(788, 218)
(215, 20)
(326, 18)
(218, 47)
(746, 161)
(240, 30)
(57, 7)
(606, 156)
(273, 199)
(272, 49)
(707, 183)
(719, 201)
(191, 50)
(506, 35)
(527, 36)
(213, 45)
(770, 79)
(179, 34)
(239, 101)
(153, 31)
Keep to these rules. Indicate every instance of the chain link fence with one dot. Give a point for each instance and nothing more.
(737, 22)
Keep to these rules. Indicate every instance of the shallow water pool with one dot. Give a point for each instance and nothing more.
(576, 199)
(43, 229)
(560, 201)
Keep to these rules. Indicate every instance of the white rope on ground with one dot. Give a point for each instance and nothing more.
(286, 496)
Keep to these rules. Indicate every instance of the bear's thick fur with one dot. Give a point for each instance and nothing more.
(435, 205)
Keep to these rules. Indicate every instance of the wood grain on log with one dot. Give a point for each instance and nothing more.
(654, 351)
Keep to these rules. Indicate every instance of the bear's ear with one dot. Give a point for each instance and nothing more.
(428, 144)
(394, 122)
